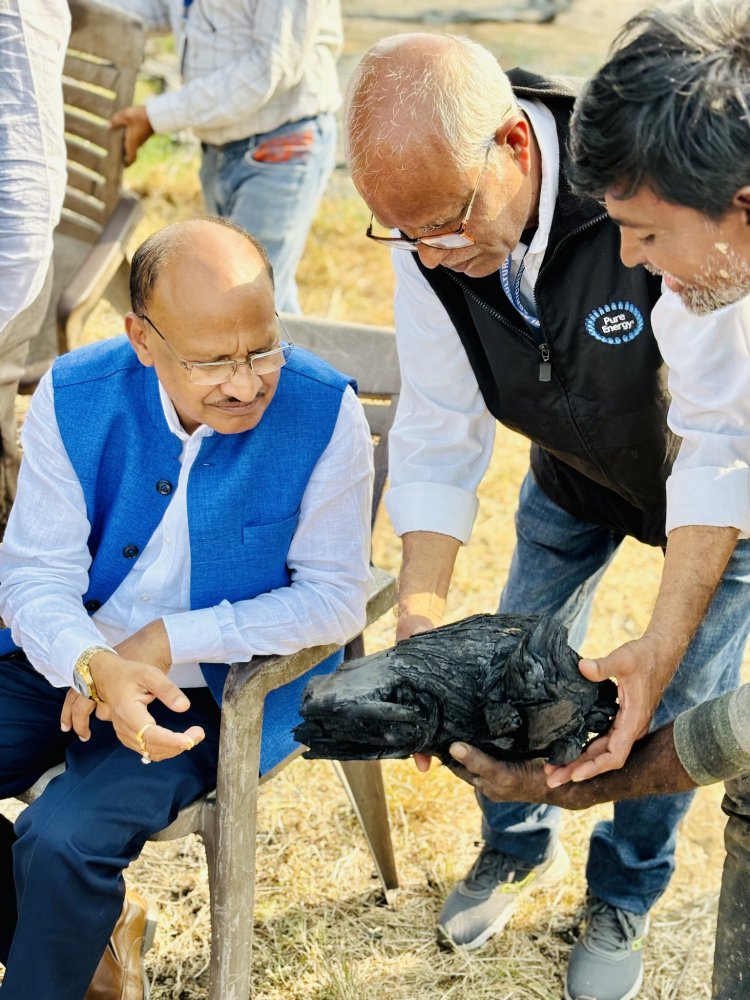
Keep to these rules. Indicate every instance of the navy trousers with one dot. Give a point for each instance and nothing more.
(71, 845)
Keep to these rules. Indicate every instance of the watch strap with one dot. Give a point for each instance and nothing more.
(82, 671)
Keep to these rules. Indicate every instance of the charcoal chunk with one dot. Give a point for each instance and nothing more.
(508, 684)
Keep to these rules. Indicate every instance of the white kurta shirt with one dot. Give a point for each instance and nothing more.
(709, 379)
(44, 560)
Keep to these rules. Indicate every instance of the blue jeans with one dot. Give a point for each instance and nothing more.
(556, 567)
(271, 184)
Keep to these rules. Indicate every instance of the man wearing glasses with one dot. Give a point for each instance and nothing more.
(512, 304)
(195, 494)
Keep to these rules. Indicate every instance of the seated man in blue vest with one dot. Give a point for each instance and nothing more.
(194, 494)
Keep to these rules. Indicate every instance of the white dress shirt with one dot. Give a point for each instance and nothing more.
(709, 380)
(44, 560)
(248, 66)
(441, 442)
(33, 39)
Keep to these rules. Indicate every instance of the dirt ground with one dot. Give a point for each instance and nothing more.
(322, 932)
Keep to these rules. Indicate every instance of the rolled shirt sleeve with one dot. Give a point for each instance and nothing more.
(441, 441)
(712, 740)
(709, 382)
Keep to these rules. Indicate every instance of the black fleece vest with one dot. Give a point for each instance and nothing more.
(589, 387)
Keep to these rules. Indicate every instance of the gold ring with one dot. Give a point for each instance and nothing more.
(145, 757)
(189, 743)
(142, 730)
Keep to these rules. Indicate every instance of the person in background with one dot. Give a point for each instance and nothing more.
(260, 91)
(33, 40)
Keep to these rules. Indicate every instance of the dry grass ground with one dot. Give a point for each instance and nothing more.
(322, 932)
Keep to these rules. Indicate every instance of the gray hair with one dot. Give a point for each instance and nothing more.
(448, 83)
(670, 108)
(159, 248)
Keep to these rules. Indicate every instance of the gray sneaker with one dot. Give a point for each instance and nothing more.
(483, 902)
(607, 961)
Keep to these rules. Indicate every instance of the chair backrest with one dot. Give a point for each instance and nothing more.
(103, 58)
(368, 354)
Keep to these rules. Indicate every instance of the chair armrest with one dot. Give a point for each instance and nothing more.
(90, 281)
(248, 683)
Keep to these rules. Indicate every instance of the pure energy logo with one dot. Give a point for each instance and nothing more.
(615, 323)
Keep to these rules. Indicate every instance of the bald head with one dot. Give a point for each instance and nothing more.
(183, 258)
(417, 96)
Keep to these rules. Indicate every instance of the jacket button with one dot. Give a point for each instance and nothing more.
(92, 605)
(164, 487)
(130, 551)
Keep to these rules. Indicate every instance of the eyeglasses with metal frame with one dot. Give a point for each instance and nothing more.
(217, 372)
(453, 240)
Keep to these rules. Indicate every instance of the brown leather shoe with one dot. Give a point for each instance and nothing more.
(121, 974)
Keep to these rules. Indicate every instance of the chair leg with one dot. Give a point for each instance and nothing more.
(234, 885)
(363, 781)
(207, 834)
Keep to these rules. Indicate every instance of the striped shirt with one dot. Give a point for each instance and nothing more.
(248, 66)
(33, 40)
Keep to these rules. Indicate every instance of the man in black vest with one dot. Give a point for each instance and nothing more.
(514, 306)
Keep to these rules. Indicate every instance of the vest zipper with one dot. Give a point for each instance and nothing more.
(545, 365)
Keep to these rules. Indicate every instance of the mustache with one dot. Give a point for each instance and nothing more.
(233, 399)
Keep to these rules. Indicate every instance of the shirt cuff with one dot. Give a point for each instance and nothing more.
(445, 509)
(166, 112)
(69, 645)
(709, 495)
(712, 740)
(196, 636)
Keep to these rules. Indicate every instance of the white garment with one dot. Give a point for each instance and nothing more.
(543, 123)
(248, 66)
(33, 39)
(44, 560)
(709, 380)
(441, 441)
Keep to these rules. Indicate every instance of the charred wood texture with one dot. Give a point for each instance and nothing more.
(508, 684)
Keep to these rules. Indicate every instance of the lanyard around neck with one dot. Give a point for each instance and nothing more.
(513, 290)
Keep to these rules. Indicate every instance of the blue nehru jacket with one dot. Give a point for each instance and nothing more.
(244, 491)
